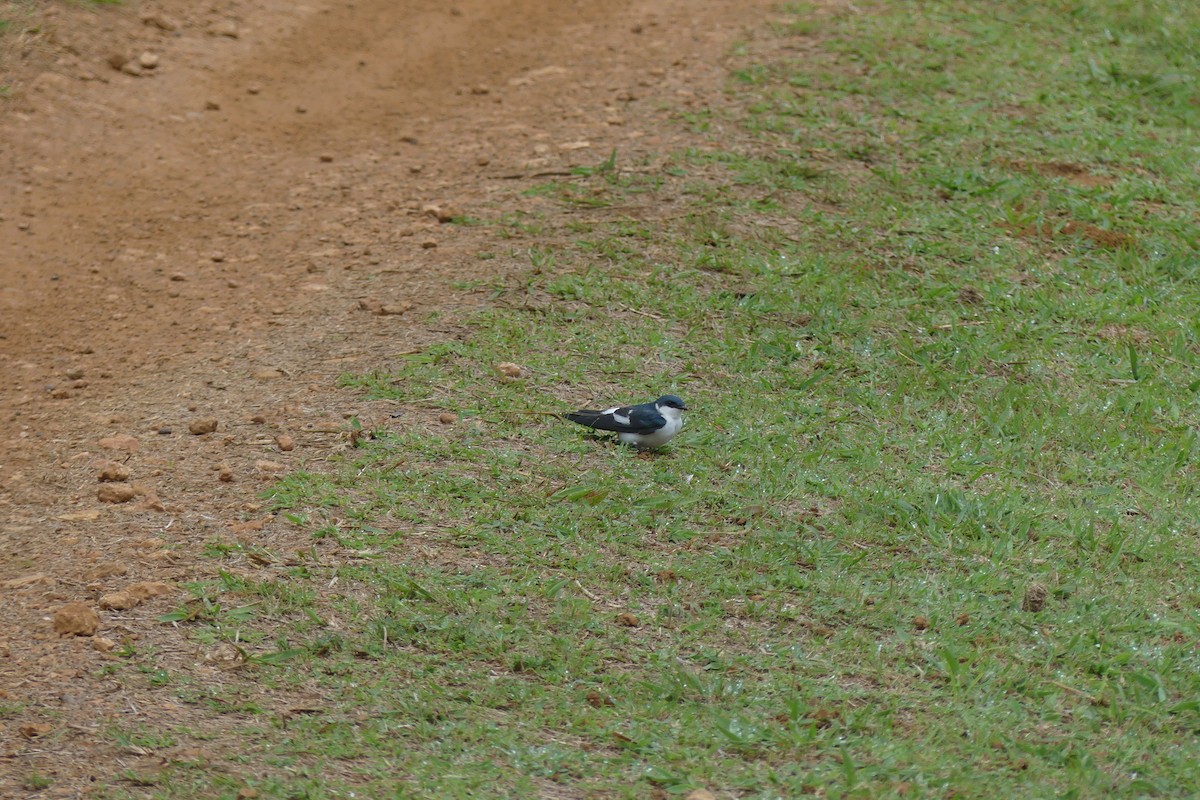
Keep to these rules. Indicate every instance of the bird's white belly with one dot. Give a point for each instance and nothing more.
(655, 439)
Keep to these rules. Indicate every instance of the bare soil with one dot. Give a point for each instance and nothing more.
(207, 213)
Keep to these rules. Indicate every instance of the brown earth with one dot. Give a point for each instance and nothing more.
(207, 213)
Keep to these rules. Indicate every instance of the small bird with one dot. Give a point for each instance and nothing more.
(643, 426)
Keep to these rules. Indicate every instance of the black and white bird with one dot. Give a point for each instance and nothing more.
(643, 426)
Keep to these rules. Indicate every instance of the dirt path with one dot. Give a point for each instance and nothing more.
(194, 242)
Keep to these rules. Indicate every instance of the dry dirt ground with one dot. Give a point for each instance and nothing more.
(194, 199)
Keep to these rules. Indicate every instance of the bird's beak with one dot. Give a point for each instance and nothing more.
(684, 408)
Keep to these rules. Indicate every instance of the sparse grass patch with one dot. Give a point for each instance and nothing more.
(932, 528)
(36, 782)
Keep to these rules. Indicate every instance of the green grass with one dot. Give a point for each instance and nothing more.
(36, 782)
(933, 299)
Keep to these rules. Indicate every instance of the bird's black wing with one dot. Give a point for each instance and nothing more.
(627, 419)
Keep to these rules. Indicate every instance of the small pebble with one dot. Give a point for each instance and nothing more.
(509, 369)
(160, 21)
(1035, 598)
(225, 27)
(113, 471)
(201, 426)
(115, 493)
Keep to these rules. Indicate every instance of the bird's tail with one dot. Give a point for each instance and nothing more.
(584, 417)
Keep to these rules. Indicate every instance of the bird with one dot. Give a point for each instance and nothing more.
(644, 426)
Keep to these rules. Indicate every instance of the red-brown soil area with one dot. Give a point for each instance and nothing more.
(204, 209)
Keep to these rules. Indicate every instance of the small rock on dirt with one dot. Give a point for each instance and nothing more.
(35, 730)
(371, 305)
(103, 644)
(202, 425)
(225, 473)
(151, 501)
(105, 569)
(160, 20)
(75, 373)
(627, 620)
(115, 493)
(510, 370)
(147, 590)
(921, 623)
(286, 443)
(224, 27)
(113, 471)
(269, 467)
(446, 418)
(1035, 598)
(76, 619)
(37, 579)
(442, 213)
(120, 442)
(148, 60)
(118, 60)
(118, 601)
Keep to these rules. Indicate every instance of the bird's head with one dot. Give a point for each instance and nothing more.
(670, 401)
